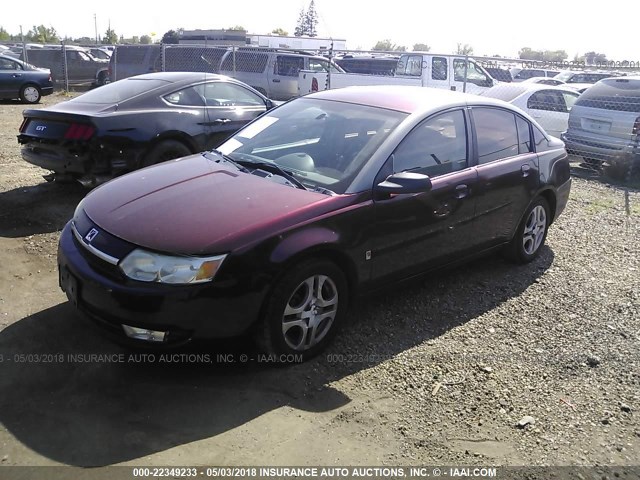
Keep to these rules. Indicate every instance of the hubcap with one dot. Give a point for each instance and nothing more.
(31, 94)
(534, 230)
(310, 312)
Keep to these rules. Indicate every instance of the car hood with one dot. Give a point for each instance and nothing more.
(195, 206)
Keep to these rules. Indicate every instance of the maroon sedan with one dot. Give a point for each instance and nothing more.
(327, 196)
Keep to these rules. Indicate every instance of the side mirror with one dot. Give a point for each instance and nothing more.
(269, 104)
(405, 182)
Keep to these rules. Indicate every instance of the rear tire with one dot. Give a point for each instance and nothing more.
(304, 311)
(531, 233)
(165, 150)
(30, 94)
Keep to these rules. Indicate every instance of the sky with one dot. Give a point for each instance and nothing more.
(490, 27)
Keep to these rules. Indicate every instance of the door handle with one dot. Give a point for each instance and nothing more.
(276, 80)
(221, 120)
(462, 191)
(16, 75)
(525, 169)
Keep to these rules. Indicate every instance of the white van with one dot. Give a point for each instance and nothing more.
(452, 72)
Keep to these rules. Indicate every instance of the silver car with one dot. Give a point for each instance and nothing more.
(604, 124)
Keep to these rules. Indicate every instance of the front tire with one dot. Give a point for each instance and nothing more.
(164, 151)
(531, 233)
(305, 310)
(30, 94)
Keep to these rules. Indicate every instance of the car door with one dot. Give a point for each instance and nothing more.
(417, 231)
(551, 109)
(284, 80)
(11, 78)
(228, 108)
(508, 173)
(477, 79)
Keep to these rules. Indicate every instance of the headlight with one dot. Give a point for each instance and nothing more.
(154, 267)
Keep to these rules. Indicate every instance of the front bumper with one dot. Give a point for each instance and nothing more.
(211, 310)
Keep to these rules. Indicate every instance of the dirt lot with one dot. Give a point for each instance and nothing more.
(437, 372)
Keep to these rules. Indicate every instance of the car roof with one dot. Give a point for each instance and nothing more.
(402, 98)
(512, 90)
(178, 77)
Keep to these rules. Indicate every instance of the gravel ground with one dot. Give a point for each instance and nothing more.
(488, 364)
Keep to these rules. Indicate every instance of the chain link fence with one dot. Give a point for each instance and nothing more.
(600, 124)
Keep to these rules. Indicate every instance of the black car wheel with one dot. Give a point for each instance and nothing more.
(305, 310)
(531, 234)
(103, 79)
(30, 94)
(165, 150)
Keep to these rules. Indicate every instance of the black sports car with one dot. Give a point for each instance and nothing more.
(137, 122)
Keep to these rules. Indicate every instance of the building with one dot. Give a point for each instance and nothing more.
(214, 37)
(296, 43)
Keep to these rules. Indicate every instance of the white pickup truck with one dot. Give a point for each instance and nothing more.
(452, 72)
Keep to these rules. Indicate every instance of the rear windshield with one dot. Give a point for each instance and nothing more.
(613, 94)
(120, 91)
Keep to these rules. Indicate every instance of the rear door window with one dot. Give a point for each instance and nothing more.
(496, 133)
(288, 65)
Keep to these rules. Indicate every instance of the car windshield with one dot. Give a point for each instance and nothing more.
(322, 143)
(117, 92)
(505, 92)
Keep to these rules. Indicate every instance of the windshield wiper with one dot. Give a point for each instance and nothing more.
(273, 168)
(225, 158)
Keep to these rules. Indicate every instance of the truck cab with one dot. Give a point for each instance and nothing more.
(444, 71)
(452, 72)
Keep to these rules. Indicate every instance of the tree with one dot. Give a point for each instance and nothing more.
(301, 26)
(527, 53)
(110, 37)
(388, 46)
(145, 39)
(421, 47)
(238, 28)
(4, 35)
(171, 37)
(465, 49)
(593, 58)
(280, 31)
(42, 34)
(311, 20)
(84, 40)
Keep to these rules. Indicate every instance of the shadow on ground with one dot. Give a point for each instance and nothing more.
(41, 208)
(64, 405)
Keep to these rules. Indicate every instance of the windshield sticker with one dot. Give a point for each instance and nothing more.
(257, 126)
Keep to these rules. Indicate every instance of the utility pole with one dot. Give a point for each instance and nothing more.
(95, 24)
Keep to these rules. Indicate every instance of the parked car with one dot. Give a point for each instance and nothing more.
(82, 69)
(100, 53)
(130, 60)
(500, 74)
(136, 122)
(549, 105)
(273, 72)
(604, 125)
(368, 64)
(544, 81)
(569, 77)
(325, 197)
(521, 74)
(21, 80)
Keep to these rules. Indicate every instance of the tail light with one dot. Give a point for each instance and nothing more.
(23, 125)
(636, 127)
(79, 131)
(314, 84)
(50, 78)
